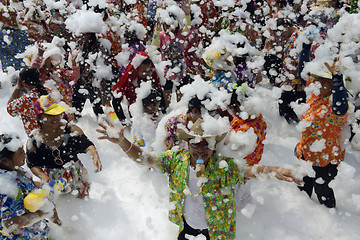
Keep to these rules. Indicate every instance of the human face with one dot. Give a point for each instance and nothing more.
(195, 114)
(19, 157)
(326, 87)
(152, 109)
(51, 121)
(144, 70)
(200, 150)
(17, 160)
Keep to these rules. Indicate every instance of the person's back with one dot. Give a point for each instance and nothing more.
(23, 105)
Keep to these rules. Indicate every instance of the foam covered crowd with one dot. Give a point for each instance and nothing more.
(175, 84)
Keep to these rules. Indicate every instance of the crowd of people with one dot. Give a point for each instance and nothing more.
(162, 74)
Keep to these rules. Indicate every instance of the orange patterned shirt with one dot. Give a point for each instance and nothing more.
(322, 142)
(259, 126)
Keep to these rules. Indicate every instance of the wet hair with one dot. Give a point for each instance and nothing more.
(5, 150)
(317, 17)
(102, 11)
(284, 3)
(31, 76)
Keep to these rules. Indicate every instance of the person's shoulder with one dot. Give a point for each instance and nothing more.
(74, 129)
(34, 140)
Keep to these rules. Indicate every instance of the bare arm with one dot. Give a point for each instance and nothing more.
(24, 220)
(16, 92)
(95, 157)
(37, 171)
(134, 152)
(30, 218)
(280, 173)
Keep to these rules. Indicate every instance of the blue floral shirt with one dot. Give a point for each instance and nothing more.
(12, 205)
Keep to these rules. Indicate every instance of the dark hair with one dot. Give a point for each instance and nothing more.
(131, 36)
(5, 152)
(102, 11)
(317, 17)
(147, 61)
(284, 22)
(152, 98)
(31, 76)
(195, 102)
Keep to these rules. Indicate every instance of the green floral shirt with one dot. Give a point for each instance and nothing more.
(217, 192)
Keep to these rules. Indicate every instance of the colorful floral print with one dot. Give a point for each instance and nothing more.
(217, 192)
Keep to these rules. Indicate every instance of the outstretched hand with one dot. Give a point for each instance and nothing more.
(334, 68)
(285, 174)
(111, 133)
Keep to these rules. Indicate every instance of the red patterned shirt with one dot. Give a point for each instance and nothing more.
(24, 107)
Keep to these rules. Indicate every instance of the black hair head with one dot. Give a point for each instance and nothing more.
(234, 99)
(30, 75)
(102, 11)
(146, 61)
(284, 22)
(5, 139)
(196, 103)
(153, 97)
(131, 36)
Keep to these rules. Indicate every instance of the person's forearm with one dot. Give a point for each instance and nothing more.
(15, 94)
(95, 157)
(253, 171)
(24, 220)
(137, 154)
(37, 171)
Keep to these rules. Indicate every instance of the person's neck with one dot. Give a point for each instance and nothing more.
(193, 162)
(52, 136)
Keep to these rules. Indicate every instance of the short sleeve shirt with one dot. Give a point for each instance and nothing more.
(321, 142)
(24, 107)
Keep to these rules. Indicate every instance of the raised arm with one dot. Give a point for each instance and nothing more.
(340, 101)
(132, 151)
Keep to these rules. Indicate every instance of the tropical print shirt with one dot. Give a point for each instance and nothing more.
(218, 192)
(321, 142)
(259, 126)
(12, 205)
(24, 107)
